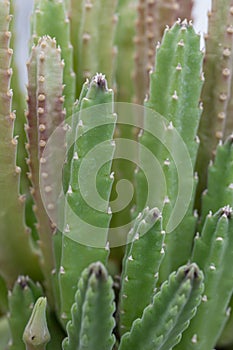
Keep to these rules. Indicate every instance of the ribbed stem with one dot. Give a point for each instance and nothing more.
(175, 80)
(213, 252)
(141, 263)
(92, 313)
(21, 300)
(164, 320)
(86, 226)
(217, 87)
(45, 114)
(44, 11)
(14, 258)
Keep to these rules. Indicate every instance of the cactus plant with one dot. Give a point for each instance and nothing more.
(82, 266)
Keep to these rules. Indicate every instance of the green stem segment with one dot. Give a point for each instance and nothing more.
(141, 263)
(21, 300)
(217, 87)
(164, 320)
(45, 114)
(15, 258)
(213, 252)
(18, 105)
(86, 227)
(175, 80)
(92, 313)
(36, 334)
(219, 192)
(42, 25)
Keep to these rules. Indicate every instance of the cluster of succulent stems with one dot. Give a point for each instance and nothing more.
(157, 273)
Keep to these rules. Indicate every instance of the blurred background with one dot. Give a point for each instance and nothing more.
(24, 8)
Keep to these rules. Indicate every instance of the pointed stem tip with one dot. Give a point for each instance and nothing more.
(36, 334)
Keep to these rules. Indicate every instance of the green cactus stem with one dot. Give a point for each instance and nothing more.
(164, 320)
(57, 246)
(148, 31)
(168, 88)
(175, 80)
(92, 321)
(213, 252)
(45, 114)
(74, 124)
(77, 106)
(42, 25)
(225, 340)
(125, 92)
(74, 257)
(15, 258)
(217, 87)
(18, 105)
(219, 192)
(4, 333)
(140, 267)
(86, 227)
(36, 334)
(21, 301)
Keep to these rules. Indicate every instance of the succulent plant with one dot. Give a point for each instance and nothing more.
(116, 219)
